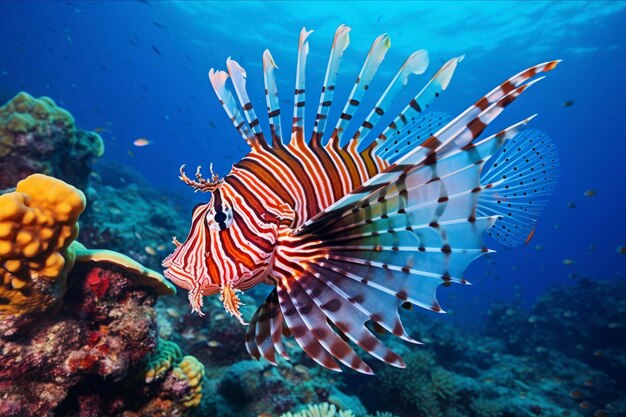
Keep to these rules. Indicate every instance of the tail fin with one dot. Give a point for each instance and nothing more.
(517, 185)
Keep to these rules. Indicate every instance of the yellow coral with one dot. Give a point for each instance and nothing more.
(37, 224)
(192, 370)
(162, 360)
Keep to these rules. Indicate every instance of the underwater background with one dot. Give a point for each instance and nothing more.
(541, 332)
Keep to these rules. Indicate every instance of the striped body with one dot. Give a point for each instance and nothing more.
(348, 233)
(272, 191)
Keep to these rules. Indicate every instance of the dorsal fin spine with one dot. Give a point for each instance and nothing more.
(416, 63)
(438, 83)
(218, 82)
(375, 57)
(297, 130)
(238, 78)
(340, 44)
(271, 98)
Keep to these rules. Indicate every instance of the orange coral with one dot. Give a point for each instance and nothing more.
(37, 224)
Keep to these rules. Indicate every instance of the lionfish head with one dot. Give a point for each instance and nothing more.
(223, 250)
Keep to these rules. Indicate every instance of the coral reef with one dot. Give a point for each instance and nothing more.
(458, 373)
(37, 136)
(85, 333)
(99, 325)
(105, 326)
(584, 321)
(192, 371)
(145, 235)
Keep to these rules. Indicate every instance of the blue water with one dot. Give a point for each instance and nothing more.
(139, 69)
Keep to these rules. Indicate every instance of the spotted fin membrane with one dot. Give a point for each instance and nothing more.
(518, 185)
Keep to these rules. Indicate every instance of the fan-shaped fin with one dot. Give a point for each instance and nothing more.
(305, 338)
(317, 324)
(518, 184)
(264, 333)
(411, 135)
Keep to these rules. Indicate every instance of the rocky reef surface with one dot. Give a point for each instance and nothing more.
(93, 332)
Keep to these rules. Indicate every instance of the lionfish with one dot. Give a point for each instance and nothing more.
(348, 231)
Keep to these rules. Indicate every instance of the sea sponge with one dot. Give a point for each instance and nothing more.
(38, 222)
(191, 370)
(162, 359)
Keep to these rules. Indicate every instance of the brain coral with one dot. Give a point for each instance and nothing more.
(38, 136)
(37, 224)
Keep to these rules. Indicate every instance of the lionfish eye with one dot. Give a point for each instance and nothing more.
(220, 218)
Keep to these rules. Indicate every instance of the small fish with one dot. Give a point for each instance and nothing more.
(172, 312)
(588, 383)
(104, 68)
(301, 369)
(568, 261)
(219, 316)
(213, 343)
(590, 193)
(100, 129)
(576, 394)
(568, 103)
(133, 40)
(322, 222)
(141, 142)
(150, 250)
(585, 405)
(156, 50)
(538, 248)
(621, 249)
(212, 125)
(161, 247)
(571, 204)
(157, 24)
